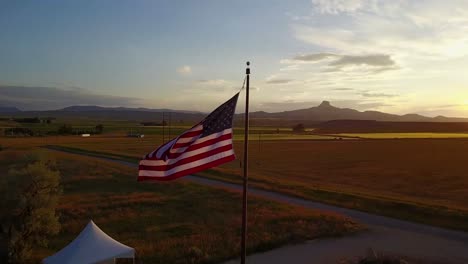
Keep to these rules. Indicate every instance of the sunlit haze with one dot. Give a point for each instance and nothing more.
(391, 56)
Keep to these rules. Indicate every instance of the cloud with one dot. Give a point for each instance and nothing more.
(378, 60)
(369, 106)
(374, 63)
(407, 28)
(377, 95)
(342, 89)
(339, 6)
(366, 63)
(214, 82)
(279, 81)
(184, 70)
(50, 98)
(314, 57)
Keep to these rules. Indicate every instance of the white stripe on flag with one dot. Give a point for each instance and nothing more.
(186, 154)
(214, 135)
(186, 166)
(158, 152)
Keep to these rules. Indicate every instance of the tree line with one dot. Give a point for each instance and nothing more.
(64, 129)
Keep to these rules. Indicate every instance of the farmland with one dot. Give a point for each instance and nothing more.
(372, 126)
(122, 128)
(422, 180)
(414, 176)
(173, 222)
(415, 179)
(402, 135)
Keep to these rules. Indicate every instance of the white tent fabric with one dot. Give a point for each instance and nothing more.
(92, 245)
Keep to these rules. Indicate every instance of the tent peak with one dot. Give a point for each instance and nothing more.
(92, 245)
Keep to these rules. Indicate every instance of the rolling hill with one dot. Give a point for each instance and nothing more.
(327, 112)
(309, 116)
(9, 109)
(94, 108)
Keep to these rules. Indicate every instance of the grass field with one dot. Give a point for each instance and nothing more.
(172, 222)
(403, 135)
(121, 144)
(417, 179)
(116, 127)
(422, 180)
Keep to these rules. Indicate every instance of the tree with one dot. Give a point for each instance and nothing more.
(299, 128)
(28, 201)
(21, 131)
(65, 130)
(27, 120)
(99, 129)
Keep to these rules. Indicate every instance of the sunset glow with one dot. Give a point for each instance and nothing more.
(393, 56)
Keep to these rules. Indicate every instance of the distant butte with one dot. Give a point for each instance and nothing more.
(325, 104)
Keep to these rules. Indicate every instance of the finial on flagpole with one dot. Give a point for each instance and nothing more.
(245, 167)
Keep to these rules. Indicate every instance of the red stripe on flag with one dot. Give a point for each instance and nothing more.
(191, 134)
(186, 160)
(196, 146)
(185, 144)
(188, 171)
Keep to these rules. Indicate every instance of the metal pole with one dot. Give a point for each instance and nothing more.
(259, 143)
(169, 131)
(246, 160)
(163, 125)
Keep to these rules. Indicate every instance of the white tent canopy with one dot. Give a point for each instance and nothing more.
(92, 245)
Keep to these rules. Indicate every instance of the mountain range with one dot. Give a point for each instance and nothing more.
(326, 112)
(92, 108)
(323, 112)
(9, 109)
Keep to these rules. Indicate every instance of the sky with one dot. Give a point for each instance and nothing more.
(393, 56)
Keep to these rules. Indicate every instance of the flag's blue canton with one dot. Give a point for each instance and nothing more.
(221, 118)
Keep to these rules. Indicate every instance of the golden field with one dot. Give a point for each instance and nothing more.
(171, 222)
(423, 180)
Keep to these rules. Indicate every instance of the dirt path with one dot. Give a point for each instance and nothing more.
(385, 234)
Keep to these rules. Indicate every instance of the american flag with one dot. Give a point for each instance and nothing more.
(205, 145)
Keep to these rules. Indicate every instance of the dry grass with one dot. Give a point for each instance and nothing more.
(173, 222)
(422, 180)
(373, 257)
(403, 135)
(120, 144)
(427, 171)
(415, 179)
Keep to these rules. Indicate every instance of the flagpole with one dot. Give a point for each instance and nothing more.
(163, 125)
(246, 160)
